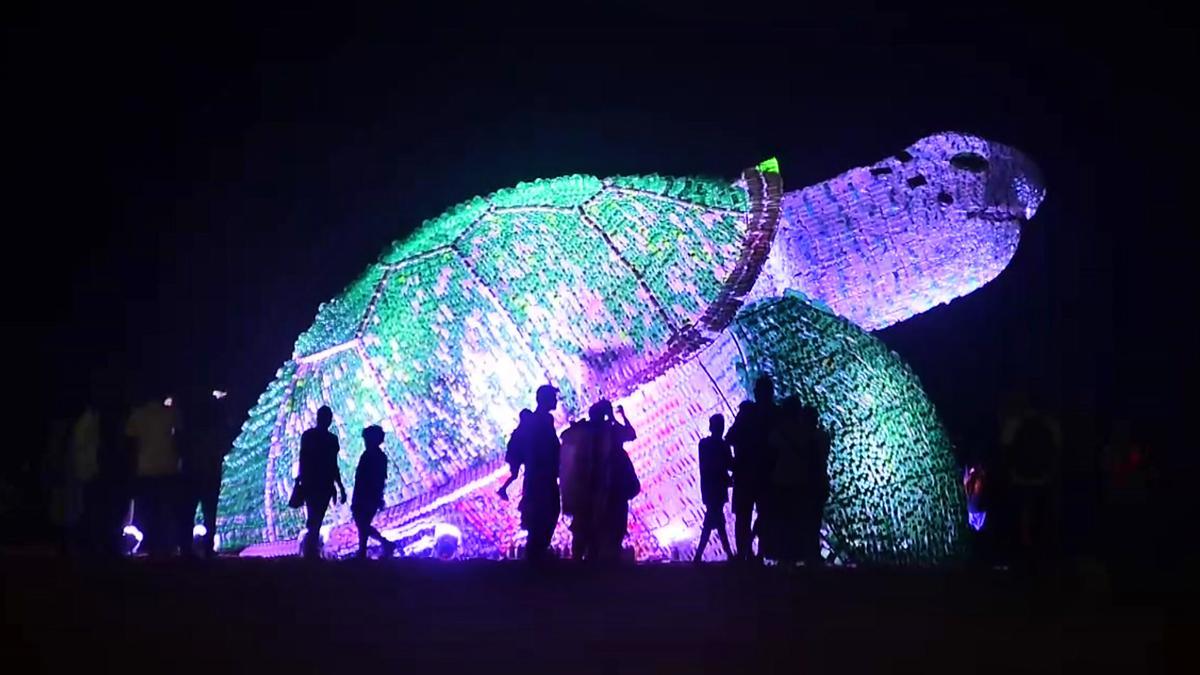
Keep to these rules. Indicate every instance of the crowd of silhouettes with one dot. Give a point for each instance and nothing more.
(1049, 489)
(780, 478)
(114, 465)
(776, 466)
(598, 480)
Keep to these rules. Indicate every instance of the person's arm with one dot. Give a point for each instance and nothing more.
(735, 429)
(337, 470)
(302, 464)
(627, 432)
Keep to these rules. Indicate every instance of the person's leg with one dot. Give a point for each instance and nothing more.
(364, 529)
(93, 516)
(143, 509)
(610, 532)
(541, 530)
(316, 516)
(151, 517)
(743, 533)
(389, 546)
(704, 534)
(580, 539)
(187, 497)
(620, 529)
(760, 525)
(209, 496)
(720, 527)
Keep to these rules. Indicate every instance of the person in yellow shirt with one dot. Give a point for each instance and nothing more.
(152, 427)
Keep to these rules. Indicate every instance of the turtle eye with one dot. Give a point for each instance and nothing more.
(969, 161)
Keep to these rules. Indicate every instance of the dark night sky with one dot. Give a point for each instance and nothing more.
(189, 188)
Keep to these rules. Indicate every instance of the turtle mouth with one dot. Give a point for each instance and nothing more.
(998, 216)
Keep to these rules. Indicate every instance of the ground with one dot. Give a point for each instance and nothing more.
(237, 615)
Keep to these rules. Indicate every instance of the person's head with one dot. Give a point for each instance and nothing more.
(1122, 431)
(764, 389)
(525, 414)
(600, 411)
(547, 398)
(324, 417)
(716, 425)
(1016, 401)
(373, 436)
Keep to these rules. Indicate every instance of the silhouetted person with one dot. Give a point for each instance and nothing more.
(1031, 443)
(753, 461)
(814, 491)
(579, 456)
(152, 427)
(1130, 478)
(53, 480)
(615, 482)
(117, 455)
(319, 475)
(715, 464)
(539, 454)
(512, 454)
(209, 440)
(369, 480)
(598, 480)
(779, 525)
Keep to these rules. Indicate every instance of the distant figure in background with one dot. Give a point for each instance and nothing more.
(369, 480)
(1031, 446)
(715, 464)
(152, 427)
(84, 467)
(752, 461)
(117, 456)
(512, 453)
(62, 488)
(1129, 484)
(204, 450)
(539, 450)
(319, 474)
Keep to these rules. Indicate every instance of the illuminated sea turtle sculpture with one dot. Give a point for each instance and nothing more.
(668, 295)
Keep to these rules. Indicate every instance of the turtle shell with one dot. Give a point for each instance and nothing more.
(596, 286)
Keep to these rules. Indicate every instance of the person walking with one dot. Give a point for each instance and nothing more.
(319, 476)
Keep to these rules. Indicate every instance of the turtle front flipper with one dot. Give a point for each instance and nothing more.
(894, 493)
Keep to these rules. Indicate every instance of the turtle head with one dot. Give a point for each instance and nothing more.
(881, 243)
